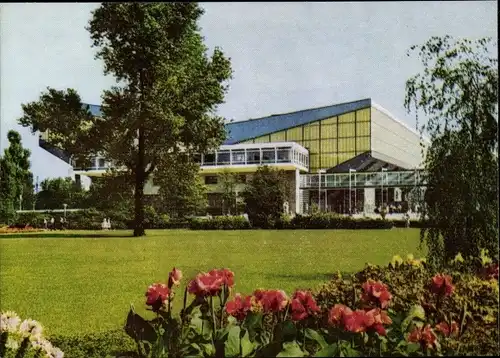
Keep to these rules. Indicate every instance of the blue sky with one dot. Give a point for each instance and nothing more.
(285, 56)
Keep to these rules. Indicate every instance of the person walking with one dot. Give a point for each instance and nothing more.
(52, 223)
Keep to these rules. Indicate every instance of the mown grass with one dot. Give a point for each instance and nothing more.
(82, 282)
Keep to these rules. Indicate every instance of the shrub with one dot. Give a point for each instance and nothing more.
(335, 221)
(102, 344)
(220, 223)
(473, 304)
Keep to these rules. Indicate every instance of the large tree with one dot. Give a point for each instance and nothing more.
(458, 92)
(14, 174)
(165, 103)
(181, 192)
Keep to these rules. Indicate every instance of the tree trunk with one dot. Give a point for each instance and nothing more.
(140, 178)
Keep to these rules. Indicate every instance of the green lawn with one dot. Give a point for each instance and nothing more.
(75, 284)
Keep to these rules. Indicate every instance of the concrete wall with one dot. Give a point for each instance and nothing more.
(394, 140)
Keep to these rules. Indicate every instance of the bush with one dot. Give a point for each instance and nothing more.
(335, 221)
(102, 344)
(220, 223)
(473, 303)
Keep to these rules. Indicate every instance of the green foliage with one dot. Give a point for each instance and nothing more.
(14, 174)
(473, 304)
(170, 90)
(458, 92)
(323, 220)
(102, 344)
(227, 184)
(220, 223)
(58, 191)
(181, 192)
(264, 196)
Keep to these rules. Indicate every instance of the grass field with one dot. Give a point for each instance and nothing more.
(74, 283)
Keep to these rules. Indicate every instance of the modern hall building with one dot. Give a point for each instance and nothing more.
(346, 158)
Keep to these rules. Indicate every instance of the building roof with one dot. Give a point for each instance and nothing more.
(252, 128)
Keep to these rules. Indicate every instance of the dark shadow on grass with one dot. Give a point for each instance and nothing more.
(303, 276)
(64, 235)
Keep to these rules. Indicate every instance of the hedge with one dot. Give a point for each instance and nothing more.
(220, 223)
(331, 221)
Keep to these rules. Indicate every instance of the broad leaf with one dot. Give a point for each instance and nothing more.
(232, 345)
(291, 349)
(416, 312)
(315, 336)
(329, 351)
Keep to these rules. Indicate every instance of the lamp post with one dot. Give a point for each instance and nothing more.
(350, 189)
(382, 185)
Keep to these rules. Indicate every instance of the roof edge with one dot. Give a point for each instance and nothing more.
(302, 110)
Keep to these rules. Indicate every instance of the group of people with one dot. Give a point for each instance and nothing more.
(51, 224)
(106, 224)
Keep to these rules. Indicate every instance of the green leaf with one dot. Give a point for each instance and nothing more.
(416, 312)
(329, 351)
(288, 331)
(232, 345)
(315, 336)
(291, 349)
(247, 346)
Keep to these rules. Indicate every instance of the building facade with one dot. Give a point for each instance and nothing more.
(347, 158)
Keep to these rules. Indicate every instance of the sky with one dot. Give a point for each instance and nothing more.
(285, 56)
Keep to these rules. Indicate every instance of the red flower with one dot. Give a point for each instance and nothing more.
(441, 285)
(226, 275)
(174, 277)
(337, 313)
(490, 272)
(376, 292)
(210, 284)
(446, 329)
(380, 318)
(425, 336)
(271, 300)
(156, 295)
(358, 321)
(239, 306)
(303, 305)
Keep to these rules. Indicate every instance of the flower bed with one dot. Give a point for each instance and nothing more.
(17, 230)
(24, 339)
(403, 309)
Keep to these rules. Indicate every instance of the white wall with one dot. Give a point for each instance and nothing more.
(394, 140)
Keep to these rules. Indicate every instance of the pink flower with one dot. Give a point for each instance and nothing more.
(239, 307)
(441, 285)
(156, 295)
(337, 313)
(210, 284)
(376, 292)
(303, 305)
(446, 329)
(271, 300)
(174, 277)
(425, 336)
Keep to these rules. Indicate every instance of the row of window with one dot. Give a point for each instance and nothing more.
(253, 156)
(213, 179)
(343, 130)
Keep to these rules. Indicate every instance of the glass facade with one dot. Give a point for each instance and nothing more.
(330, 141)
(281, 153)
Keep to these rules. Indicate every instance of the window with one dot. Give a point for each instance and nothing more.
(223, 157)
(238, 156)
(211, 179)
(209, 159)
(100, 163)
(284, 155)
(253, 156)
(268, 156)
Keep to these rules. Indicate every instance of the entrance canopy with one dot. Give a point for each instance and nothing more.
(366, 162)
